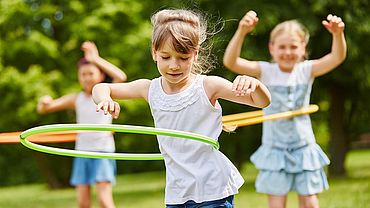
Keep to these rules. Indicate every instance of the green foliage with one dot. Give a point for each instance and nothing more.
(19, 95)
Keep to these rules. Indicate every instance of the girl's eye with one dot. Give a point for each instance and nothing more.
(184, 58)
(165, 57)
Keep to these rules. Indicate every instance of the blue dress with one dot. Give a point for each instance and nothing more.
(289, 158)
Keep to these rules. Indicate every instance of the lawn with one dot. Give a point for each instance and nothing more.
(146, 190)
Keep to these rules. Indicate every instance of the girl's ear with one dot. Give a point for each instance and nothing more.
(271, 49)
(154, 54)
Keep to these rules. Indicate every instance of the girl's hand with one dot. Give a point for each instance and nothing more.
(43, 102)
(334, 24)
(109, 106)
(90, 50)
(244, 85)
(248, 22)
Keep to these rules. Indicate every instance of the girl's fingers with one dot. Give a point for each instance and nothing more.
(249, 19)
(329, 17)
(333, 23)
(252, 13)
(111, 106)
(339, 20)
(341, 25)
(325, 23)
(105, 107)
(99, 106)
(241, 84)
(117, 109)
(235, 84)
(246, 86)
(253, 86)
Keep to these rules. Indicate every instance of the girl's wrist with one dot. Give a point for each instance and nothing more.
(241, 32)
(337, 34)
(95, 60)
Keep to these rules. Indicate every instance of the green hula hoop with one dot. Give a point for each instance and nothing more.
(108, 127)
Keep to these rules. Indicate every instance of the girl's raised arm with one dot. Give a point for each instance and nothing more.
(232, 59)
(92, 55)
(335, 26)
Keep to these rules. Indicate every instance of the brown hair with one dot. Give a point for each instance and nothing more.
(187, 32)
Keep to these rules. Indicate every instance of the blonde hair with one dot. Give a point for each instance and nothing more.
(187, 32)
(292, 27)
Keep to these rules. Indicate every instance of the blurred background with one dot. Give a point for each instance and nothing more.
(40, 46)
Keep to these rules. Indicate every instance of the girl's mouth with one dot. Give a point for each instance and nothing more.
(174, 75)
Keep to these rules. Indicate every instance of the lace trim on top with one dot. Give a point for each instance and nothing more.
(178, 101)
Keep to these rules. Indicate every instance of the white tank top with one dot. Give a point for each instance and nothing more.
(86, 113)
(194, 170)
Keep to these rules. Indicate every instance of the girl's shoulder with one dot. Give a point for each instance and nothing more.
(213, 84)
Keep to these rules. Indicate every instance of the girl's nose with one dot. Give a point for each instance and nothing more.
(288, 51)
(174, 65)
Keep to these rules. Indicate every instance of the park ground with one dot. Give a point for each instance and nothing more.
(146, 190)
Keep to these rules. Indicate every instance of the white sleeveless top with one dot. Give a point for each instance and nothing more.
(86, 113)
(194, 170)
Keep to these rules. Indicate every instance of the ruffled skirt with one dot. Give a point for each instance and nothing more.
(296, 169)
(309, 157)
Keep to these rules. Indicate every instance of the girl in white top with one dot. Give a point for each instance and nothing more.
(289, 158)
(92, 69)
(182, 99)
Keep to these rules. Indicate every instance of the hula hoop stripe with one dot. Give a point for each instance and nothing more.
(259, 119)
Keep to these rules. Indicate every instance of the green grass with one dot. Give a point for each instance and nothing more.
(146, 190)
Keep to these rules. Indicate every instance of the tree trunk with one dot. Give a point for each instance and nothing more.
(338, 145)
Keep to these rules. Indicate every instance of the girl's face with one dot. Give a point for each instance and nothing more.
(287, 50)
(174, 67)
(89, 75)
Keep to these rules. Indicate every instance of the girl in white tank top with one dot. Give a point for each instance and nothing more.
(92, 69)
(182, 99)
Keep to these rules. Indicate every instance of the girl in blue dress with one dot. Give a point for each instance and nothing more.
(289, 158)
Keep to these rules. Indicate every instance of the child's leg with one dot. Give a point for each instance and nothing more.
(308, 201)
(308, 184)
(277, 201)
(105, 196)
(105, 177)
(83, 196)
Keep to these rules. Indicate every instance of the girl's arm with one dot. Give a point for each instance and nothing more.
(46, 103)
(244, 90)
(92, 55)
(103, 94)
(338, 53)
(232, 59)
